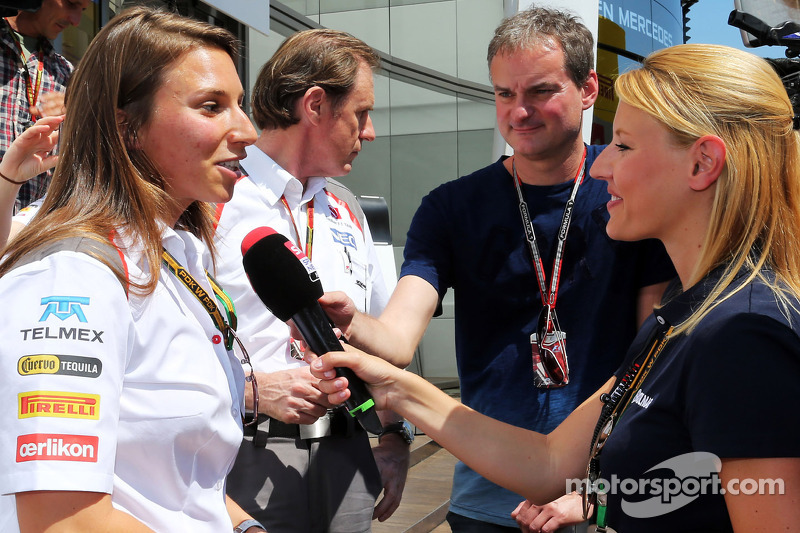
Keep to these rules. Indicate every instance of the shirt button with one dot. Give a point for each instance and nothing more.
(219, 485)
(235, 412)
(216, 339)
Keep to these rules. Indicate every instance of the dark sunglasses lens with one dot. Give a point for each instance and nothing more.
(552, 366)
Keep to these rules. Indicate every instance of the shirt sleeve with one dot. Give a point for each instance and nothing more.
(426, 251)
(741, 388)
(67, 339)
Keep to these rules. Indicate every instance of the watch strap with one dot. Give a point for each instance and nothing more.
(247, 524)
(401, 428)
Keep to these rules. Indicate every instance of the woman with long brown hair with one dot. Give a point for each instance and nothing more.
(124, 397)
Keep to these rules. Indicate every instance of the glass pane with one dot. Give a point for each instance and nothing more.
(425, 34)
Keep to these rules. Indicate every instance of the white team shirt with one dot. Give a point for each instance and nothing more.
(342, 252)
(136, 397)
(26, 214)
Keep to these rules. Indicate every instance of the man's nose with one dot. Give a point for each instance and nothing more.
(368, 131)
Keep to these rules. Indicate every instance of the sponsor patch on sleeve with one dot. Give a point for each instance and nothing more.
(57, 447)
(67, 365)
(57, 404)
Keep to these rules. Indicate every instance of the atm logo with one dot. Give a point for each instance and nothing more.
(59, 405)
(54, 447)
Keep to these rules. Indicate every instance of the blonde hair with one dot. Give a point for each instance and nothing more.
(102, 184)
(697, 90)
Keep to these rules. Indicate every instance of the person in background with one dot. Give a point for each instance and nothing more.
(704, 158)
(124, 397)
(33, 76)
(468, 235)
(304, 468)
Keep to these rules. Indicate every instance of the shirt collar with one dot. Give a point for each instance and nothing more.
(275, 181)
(7, 38)
(679, 305)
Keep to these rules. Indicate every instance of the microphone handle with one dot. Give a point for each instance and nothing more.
(315, 326)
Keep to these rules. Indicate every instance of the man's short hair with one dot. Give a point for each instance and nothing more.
(540, 25)
(325, 58)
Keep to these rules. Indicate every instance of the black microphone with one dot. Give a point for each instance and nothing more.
(288, 284)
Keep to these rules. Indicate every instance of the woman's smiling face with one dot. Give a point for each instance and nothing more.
(197, 130)
(643, 167)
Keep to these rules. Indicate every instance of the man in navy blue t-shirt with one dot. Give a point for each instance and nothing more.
(468, 235)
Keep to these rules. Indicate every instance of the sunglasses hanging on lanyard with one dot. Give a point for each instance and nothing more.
(548, 343)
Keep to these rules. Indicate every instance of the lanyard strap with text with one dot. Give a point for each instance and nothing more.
(309, 225)
(647, 365)
(615, 406)
(226, 327)
(31, 89)
(548, 297)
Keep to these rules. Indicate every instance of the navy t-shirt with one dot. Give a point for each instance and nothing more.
(728, 389)
(467, 235)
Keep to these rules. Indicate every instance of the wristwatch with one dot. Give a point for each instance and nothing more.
(401, 428)
(247, 524)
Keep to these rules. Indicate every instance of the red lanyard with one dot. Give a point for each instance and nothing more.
(31, 89)
(548, 298)
(309, 225)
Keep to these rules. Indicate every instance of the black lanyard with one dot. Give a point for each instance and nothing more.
(615, 406)
(226, 327)
(548, 297)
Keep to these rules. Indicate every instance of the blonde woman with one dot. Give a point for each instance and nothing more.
(699, 429)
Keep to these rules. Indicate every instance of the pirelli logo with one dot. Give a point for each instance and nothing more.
(56, 447)
(59, 405)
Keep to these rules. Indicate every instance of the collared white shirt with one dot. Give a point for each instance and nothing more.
(342, 252)
(136, 397)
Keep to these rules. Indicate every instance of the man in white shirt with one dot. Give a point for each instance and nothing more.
(305, 468)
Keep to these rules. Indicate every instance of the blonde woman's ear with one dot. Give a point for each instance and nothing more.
(708, 156)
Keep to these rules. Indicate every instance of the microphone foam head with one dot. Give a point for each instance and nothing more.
(279, 272)
(256, 235)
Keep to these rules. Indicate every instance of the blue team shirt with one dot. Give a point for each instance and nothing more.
(467, 235)
(728, 389)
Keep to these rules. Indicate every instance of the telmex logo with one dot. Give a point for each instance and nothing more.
(64, 307)
(52, 447)
(59, 405)
(68, 365)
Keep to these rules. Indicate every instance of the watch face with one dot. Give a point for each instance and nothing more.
(408, 433)
(401, 428)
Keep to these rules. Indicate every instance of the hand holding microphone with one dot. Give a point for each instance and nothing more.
(288, 284)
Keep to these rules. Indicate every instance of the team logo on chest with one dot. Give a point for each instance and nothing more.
(344, 238)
